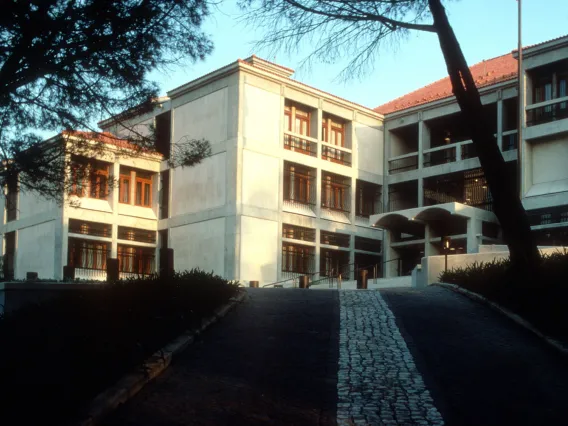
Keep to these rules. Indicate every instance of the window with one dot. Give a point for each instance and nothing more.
(298, 233)
(333, 131)
(368, 201)
(297, 258)
(89, 179)
(124, 189)
(98, 181)
(136, 260)
(143, 190)
(88, 254)
(298, 184)
(563, 216)
(297, 120)
(335, 193)
(545, 218)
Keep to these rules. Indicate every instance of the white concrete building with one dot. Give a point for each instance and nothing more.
(303, 182)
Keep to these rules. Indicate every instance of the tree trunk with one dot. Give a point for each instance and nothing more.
(507, 204)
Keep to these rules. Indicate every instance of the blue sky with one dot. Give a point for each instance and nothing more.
(485, 29)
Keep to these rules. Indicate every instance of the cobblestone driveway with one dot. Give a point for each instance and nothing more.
(378, 382)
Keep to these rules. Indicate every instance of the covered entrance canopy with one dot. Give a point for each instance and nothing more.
(417, 232)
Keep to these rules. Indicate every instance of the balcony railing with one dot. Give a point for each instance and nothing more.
(134, 234)
(439, 155)
(303, 145)
(510, 140)
(544, 112)
(298, 233)
(336, 155)
(134, 264)
(90, 228)
(334, 239)
(403, 163)
(297, 260)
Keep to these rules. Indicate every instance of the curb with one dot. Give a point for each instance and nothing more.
(559, 346)
(129, 385)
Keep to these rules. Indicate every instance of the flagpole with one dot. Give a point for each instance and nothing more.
(521, 102)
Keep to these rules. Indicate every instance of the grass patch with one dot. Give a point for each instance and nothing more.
(540, 300)
(56, 356)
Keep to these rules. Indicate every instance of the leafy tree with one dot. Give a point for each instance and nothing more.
(65, 63)
(357, 29)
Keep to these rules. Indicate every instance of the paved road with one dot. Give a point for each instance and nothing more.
(401, 357)
(481, 368)
(271, 361)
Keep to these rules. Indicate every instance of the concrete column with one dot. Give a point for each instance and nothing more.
(389, 254)
(420, 192)
(474, 227)
(423, 141)
(317, 257)
(352, 256)
(318, 192)
(429, 248)
(114, 200)
(353, 200)
(500, 122)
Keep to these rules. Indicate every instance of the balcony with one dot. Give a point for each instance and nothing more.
(439, 155)
(298, 233)
(138, 235)
(468, 151)
(90, 228)
(299, 186)
(403, 163)
(301, 144)
(336, 154)
(335, 239)
(547, 111)
(510, 141)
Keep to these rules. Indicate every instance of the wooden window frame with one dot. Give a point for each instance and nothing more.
(97, 179)
(143, 201)
(121, 189)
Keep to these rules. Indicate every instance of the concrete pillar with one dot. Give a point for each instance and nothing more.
(500, 114)
(114, 205)
(318, 184)
(474, 228)
(420, 192)
(352, 256)
(317, 256)
(429, 248)
(389, 254)
(423, 141)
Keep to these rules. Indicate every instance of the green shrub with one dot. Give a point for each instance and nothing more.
(541, 299)
(58, 355)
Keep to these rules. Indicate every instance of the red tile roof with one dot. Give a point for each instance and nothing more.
(485, 73)
(107, 138)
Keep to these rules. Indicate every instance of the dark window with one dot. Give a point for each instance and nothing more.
(135, 234)
(334, 239)
(299, 184)
(88, 254)
(164, 133)
(368, 244)
(368, 199)
(165, 195)
(77, 226)
(298, 233)
(136, 260)
(297, 258)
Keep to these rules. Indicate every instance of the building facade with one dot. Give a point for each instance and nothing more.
(301, 182)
